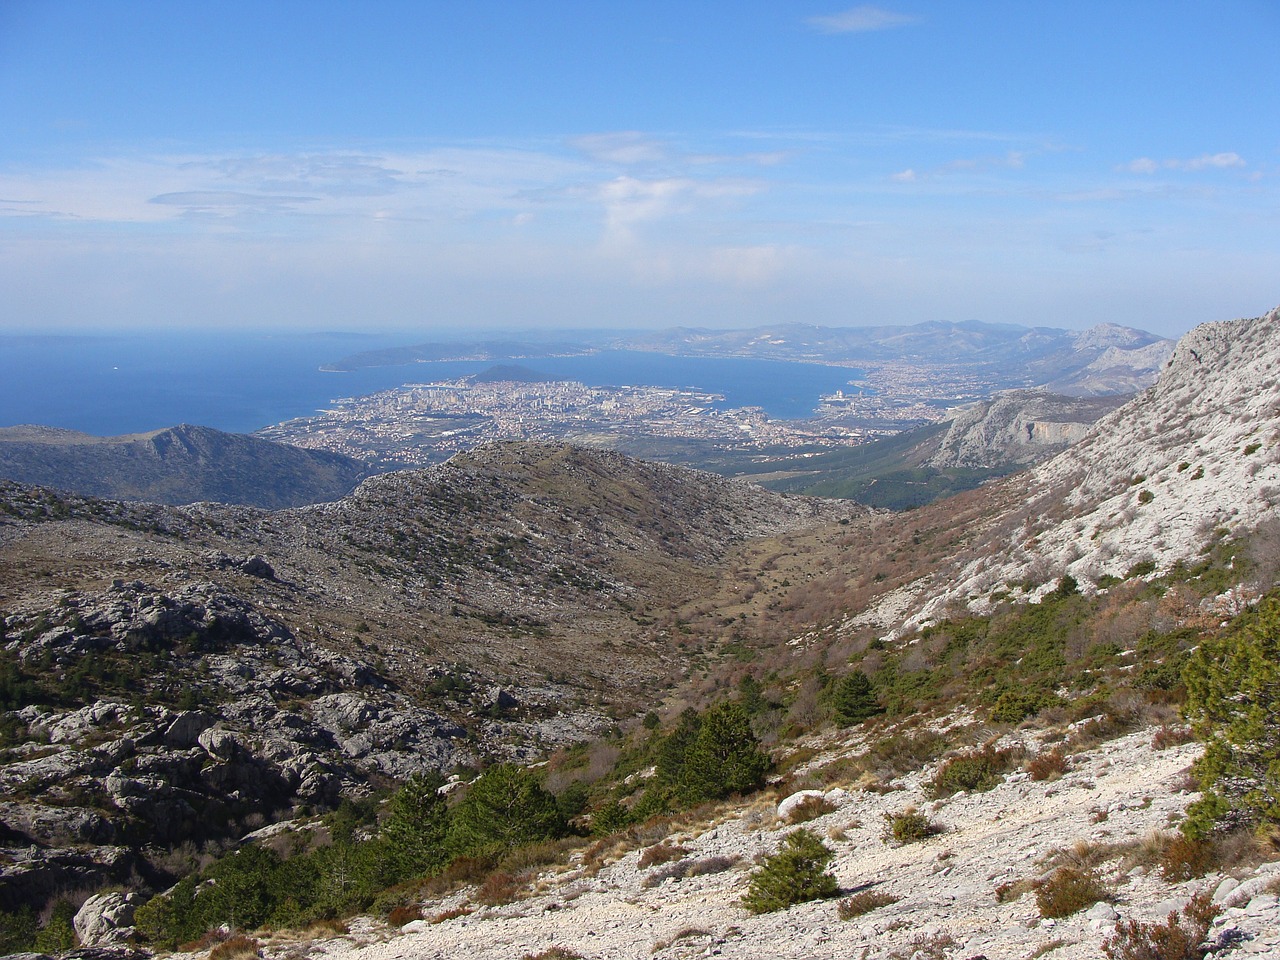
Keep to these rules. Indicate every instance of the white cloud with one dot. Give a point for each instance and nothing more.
(624, 147)
(1206, 161)
(905, 176)
(863, 19)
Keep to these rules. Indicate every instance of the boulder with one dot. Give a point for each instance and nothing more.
(106, 918)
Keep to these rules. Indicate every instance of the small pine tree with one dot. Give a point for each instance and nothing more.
(1233, 698)
(853, 699)
(504, 808)
(724, 758)
(795, 874)
(414, 832)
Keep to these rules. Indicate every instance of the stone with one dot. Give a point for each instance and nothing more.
(106, 918)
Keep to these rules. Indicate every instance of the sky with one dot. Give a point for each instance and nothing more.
(572, 164)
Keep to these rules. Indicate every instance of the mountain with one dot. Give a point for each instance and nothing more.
(1016, 428)
(177, 680)
(1158, 482)
(1012, 356)
(175, 675)
(182, 464)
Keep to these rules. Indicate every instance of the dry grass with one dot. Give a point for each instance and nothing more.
(864, 902)
(810, 808)
(237, 947)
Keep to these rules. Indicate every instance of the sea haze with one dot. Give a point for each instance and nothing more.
(240, 382)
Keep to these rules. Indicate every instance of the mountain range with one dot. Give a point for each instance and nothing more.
(192, 674)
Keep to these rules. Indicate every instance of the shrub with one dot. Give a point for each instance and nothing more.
(498, 888)
(399, 916)
(1186, 857)
(238, 947)
(795, 874)
(1014, 706)
(555, 953)
(1069, 890)
(908, 826)
(663, 852)
(975, 771)
(1169, 736)
(1178, 938)
(1047, 765)
(1233, 696)
(864, 902)
(810, 808)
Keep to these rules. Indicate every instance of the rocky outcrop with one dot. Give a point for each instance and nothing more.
(1152, 484)
(1017, 428)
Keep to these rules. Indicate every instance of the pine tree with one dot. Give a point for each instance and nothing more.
(1233, 699)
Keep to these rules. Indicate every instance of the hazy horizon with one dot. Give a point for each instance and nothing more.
(400, 166)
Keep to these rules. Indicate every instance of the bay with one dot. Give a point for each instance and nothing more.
(123, 383)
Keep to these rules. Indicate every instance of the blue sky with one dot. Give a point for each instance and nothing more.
(389, 165)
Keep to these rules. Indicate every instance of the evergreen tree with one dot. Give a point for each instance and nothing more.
(795, 874)
(413, 834)
(724, 758)
(504, 808)
(853, 699)
(1233, 700)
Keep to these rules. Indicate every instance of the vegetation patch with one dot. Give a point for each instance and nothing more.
(1069, 890)
(795, 874)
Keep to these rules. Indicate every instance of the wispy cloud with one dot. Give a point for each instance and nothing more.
(863, 19)
(623, 147)
(1206, 161)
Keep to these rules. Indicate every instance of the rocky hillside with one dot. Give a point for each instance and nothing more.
(173, 676)
(1018, 427)
(1155, 483)
(177, 465)
(966, 892)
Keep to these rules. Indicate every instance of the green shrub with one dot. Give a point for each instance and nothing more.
(972, 772)
(908, 826)
(1233, 697)
(795, 874)
(711, 756)
(1069, 890)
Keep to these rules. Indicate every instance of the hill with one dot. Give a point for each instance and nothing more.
(177, 465)
(978, 698)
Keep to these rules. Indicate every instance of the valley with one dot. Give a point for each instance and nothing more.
(186, 688)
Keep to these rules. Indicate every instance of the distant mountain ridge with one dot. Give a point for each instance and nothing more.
(1013, 355)
(177, 465)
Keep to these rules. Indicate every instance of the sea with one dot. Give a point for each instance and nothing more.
(120, 383)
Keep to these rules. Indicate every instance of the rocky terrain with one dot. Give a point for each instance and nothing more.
(1109, 809)
(177, 465)
(213, 670)
(1018, 427)
(189, 673)
(1153, 484)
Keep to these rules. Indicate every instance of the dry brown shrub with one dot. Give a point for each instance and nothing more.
(451, 914)
(1048, 765)
(1069, 890)
(663, 852)
(236, 947)
(864, 902)
(1170, 736)
(810, 808)
(554, 953)
(1178, 938)
(1184, 858)
(399, 916)
(498, 888)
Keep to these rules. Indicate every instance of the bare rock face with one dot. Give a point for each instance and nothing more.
(106, 919)
(1018, 427)
(1154, 482)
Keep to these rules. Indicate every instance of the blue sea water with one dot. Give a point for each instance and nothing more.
(239, 382)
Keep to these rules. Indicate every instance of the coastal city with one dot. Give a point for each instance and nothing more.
(424, 423)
